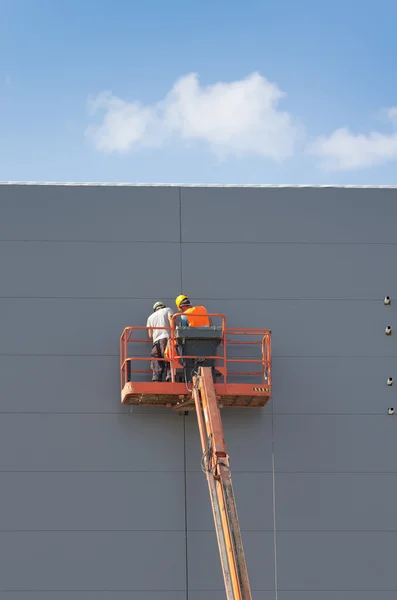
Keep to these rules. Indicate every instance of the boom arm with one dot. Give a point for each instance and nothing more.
(216, 467)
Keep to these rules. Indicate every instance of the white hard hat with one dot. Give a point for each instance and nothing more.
(158, 305)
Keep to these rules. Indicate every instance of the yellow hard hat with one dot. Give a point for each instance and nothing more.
(180, 299)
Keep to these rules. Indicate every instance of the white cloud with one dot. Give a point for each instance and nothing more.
(392, 115)
(344, 150)
(237, 118)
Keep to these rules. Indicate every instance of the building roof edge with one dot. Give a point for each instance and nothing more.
(190, 185)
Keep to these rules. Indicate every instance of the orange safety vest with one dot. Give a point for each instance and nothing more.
(167, 352)
(197, 316)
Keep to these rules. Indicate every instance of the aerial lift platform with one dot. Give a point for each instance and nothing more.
(204, 379)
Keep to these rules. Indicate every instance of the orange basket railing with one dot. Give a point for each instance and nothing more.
(239, 346)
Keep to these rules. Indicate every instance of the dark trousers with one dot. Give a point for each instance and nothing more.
(160, 366)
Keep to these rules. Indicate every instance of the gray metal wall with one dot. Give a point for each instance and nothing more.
(96, 499)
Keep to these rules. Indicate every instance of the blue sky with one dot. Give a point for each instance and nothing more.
(129, 90)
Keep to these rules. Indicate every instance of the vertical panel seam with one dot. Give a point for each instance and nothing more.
(184, 416)
(180, 238)
(274, 508)
(186, 521)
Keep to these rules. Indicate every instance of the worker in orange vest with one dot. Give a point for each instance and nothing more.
(193, 316)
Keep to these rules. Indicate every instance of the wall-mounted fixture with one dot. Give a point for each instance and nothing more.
(388, 330)
(387, 301)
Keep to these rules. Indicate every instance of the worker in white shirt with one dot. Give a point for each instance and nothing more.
(160, 318)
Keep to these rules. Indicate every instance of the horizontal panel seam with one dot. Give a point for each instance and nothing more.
(287, 243)
(200, 590)
(172, 414)
(327, 356)
(324, 356)
(201, 530)
(165, 591)
(212, 299)
(89, 590)
(195, 471)
(198, 242)
(58, 241)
